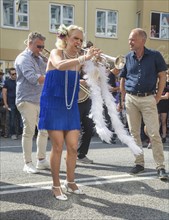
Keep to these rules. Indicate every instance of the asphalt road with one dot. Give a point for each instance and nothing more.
(110, 191)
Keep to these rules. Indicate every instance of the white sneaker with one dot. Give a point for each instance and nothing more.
(29, 168)
(14, 137)
(149, 146)
(85, 160)
(43, 165)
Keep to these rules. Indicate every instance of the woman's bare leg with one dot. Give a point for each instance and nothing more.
(71, 138)
(57, 140)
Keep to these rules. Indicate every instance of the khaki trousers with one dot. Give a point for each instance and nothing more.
(146, 107)
(30, 117)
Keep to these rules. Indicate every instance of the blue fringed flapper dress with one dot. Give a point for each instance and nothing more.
(59, 101)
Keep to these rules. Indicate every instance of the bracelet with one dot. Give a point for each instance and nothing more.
(81, 60)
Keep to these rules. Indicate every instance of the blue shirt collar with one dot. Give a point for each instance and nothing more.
(146, 51)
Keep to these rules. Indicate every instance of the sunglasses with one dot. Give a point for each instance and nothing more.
(40, 46)
(13, 74)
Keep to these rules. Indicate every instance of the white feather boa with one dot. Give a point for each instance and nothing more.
(97, 81)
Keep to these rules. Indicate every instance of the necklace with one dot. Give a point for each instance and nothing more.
(69, 105)
(68, 56)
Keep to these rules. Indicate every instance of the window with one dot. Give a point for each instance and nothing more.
(159, 25)
(15, 14)
(60, 14)
(106, 23)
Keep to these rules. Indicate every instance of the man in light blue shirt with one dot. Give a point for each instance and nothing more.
(30, 68)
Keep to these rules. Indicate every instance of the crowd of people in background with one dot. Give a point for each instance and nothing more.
(11, 125)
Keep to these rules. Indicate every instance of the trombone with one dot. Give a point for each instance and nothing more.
(118, 61)
(84, 94)
(43, 55)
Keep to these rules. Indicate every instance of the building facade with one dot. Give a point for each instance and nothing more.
(106, 23)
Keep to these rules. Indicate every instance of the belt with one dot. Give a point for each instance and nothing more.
(140, 94)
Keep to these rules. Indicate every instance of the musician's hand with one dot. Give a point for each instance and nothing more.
(115, 71)
(90, 53)
(122, 104)
(119, 107)
(41, 79)
(83, 82)
(97, 53)
(93, 51)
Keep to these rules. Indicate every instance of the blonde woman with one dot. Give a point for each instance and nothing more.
(59, 113)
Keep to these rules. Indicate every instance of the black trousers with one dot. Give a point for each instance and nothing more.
(87, 128)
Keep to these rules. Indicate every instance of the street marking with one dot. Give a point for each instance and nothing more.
(9, 189)
(6, 147)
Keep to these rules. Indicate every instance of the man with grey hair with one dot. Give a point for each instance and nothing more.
(138, 87)
(31, 68)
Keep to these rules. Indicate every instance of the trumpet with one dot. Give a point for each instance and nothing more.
(118, 61)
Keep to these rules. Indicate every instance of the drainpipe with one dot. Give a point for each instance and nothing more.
(85, 21)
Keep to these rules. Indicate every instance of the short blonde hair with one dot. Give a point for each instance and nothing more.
(61, 41)
(140, 32)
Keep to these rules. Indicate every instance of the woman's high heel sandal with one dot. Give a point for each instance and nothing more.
(76, 191)
(61, 196)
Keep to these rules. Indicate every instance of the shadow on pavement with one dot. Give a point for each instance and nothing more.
(23, 214)
(110, 207)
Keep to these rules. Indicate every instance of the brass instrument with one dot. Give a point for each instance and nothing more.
(118, 61)
(44, 54)
(84, 94)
